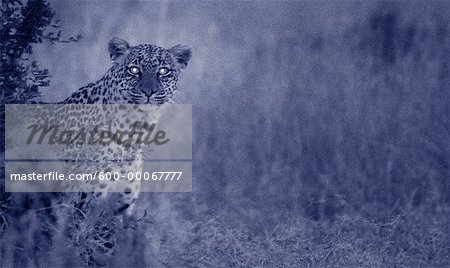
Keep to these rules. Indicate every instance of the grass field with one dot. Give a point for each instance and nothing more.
(321, 139)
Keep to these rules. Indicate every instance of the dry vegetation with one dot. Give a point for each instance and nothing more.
(320, 140)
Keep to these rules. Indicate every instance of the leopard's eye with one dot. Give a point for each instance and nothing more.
(134, 70)
(163, 71)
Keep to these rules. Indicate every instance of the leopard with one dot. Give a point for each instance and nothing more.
(143, 75)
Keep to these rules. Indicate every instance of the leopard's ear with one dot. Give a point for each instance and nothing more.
(117, 48)
(182, 54)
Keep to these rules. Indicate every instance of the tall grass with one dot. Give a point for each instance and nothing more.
(321, 138)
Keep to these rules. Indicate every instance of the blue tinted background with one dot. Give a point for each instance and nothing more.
(321, 129)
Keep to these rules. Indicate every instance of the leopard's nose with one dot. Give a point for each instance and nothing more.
(149, 91)
(148, 84)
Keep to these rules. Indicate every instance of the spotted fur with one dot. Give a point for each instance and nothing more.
(149, 86)
(143, 74)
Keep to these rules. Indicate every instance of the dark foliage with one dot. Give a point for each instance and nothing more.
(23, 25)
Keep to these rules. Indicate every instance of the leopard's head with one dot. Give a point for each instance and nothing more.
(144, 74)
